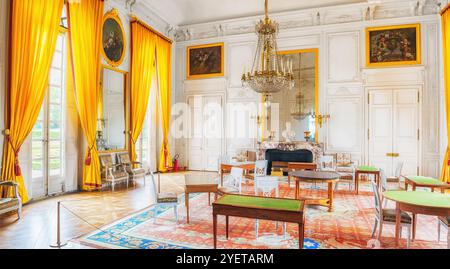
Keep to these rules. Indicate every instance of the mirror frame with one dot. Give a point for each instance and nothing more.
(126, 106)
(316, 105)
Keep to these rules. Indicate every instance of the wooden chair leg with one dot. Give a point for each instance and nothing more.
(414, 226)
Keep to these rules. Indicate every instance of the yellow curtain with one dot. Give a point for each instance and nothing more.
(85, 31)
(34, 30)
(163, 56)
(445, 175)
(143, 45)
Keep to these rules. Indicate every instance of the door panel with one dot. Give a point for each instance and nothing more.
(195, 157)
(205, 142)
(394, 128)
(212, 129)
(405, 136)
(380, 129)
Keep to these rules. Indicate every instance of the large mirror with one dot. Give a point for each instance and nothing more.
(298, 107)
(112, 123)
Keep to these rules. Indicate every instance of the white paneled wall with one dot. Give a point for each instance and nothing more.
(343, 77)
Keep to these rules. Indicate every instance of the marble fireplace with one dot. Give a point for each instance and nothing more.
(315, 148)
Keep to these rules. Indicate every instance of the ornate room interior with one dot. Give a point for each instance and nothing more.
(200, 124)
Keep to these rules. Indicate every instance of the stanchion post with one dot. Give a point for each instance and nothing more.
(58, 229)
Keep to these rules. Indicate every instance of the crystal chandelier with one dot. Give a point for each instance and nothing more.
(270, 72)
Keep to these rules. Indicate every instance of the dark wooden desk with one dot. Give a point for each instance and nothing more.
(316, 176)
(275, 209)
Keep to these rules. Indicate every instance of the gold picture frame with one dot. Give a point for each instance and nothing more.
(404, 47)
(316, 82)
(114, 43)
(196, 61)
(126, 99)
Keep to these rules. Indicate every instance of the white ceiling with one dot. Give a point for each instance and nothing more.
(185, 12)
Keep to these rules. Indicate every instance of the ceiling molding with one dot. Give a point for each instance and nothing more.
(373, 10)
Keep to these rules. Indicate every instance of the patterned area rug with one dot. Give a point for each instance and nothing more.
(349, 226)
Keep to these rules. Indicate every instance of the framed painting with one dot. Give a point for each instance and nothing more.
(113, 39)
(205, 61)
(393, 45)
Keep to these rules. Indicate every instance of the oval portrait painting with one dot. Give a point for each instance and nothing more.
(113, 39)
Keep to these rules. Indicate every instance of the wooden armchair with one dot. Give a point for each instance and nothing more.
(298, 167)
(112, 173)
(134, 169)
(11, 204)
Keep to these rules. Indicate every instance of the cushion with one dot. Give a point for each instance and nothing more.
(226, 189)
(445, 220)
(118, 175)
(390, 215)
(167, 198)
(139, 171)
(106, 160)
(345, 170)
(124, 158)
(8, 203)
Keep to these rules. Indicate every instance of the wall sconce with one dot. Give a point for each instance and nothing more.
(259, 119)
(320, 119)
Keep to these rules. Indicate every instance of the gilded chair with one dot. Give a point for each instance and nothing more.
(345, 168)
(445, 222)
(233, 182)
(388, 216)
(134, 169)
(163, 200)
(11, 204)
(112, 173)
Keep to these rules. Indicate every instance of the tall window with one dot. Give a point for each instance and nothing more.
(47, 135)
(145, 146)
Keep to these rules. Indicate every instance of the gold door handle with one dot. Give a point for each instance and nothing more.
(392, 155)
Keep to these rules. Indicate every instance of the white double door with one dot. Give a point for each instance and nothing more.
(394, 129)
(205, 141)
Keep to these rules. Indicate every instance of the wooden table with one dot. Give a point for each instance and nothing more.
(366, 170)
(226, 168)
(425, 182)
(199, 184)
(316, 176)
(275, 209)
(426, 203)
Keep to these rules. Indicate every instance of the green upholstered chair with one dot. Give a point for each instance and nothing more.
(388, 216)
(12, 203)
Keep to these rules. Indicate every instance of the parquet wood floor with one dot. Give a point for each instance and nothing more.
(37, 228)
